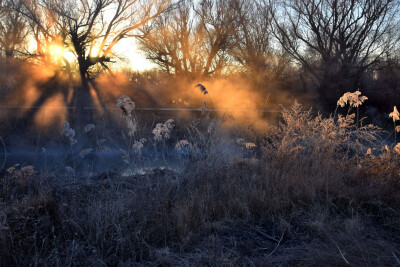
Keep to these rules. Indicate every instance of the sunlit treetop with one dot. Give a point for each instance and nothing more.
(88, 30)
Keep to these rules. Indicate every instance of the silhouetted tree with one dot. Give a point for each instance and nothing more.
(335, 40)
(13, 28)
(90, 29)
(193, 40)
(252, 47)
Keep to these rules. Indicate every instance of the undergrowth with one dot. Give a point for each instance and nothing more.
(315, 191)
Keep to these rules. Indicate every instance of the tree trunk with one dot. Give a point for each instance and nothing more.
(9, 54)
(82, 112)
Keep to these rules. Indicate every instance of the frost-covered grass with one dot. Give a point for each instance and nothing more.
(312, 190)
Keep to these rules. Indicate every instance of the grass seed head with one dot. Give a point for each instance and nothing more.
(85, 152)
(138, 145)
(397, 148)
(89, 127)
(69, 133)
(202, 88)
(181, 144)
(395, 114)
(353, 99)
(126, 105)
(250, 145)
(163, 130)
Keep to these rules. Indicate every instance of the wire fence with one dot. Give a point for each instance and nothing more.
(147, 109)
(25, 122)
(38, 141)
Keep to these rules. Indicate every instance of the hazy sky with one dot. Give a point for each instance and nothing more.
(127, 48)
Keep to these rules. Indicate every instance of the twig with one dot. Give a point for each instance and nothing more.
(341, 254)
(5, 154)
(395, 256)
(251, 263)
(73, 161)
(280, 240)
(212, 104)
(264, 234)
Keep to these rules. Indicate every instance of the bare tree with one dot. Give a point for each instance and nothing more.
(44, 29)
(13, 29)
(171, 44)
(217, 19)
(193, 40)
(252, 47)
(90, 29)
(335, 40)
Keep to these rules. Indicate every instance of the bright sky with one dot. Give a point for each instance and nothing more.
(127, 48)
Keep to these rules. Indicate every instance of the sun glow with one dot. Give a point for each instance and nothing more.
(95, 50)
(69, 56)
(127, 49)
(135, 60)
(56, 52)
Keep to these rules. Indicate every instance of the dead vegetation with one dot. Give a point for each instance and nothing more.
(301, 197)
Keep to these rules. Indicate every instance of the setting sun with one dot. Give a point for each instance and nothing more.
(56, 52)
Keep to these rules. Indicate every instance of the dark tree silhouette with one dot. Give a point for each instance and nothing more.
(335, 40)
(13, 28)
(252, 47)
(90, 29)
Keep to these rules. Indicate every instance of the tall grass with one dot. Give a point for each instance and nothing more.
(315, 191)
